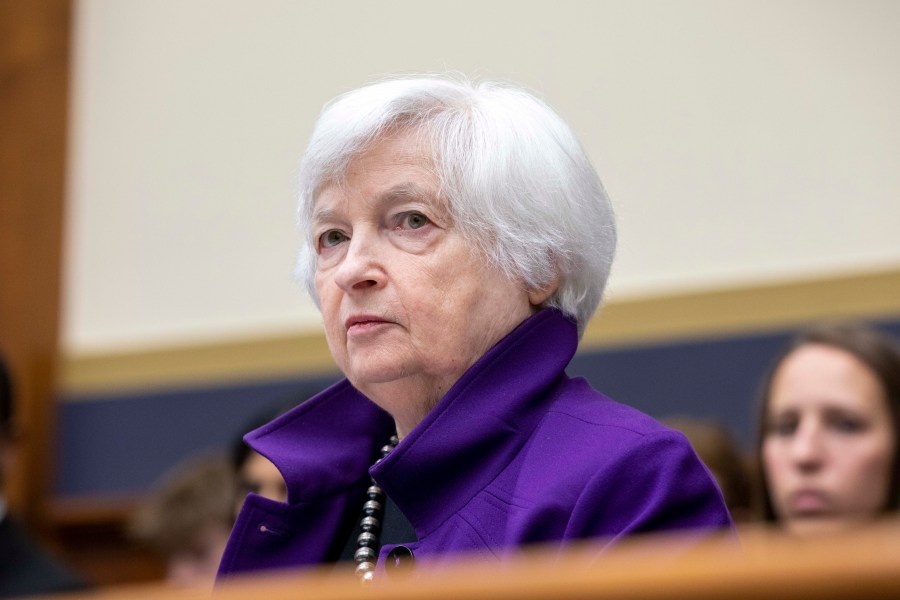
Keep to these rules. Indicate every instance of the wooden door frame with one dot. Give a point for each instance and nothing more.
(34, 80)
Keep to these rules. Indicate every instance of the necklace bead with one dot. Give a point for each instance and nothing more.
(364, 554)
(368, 543)
(371, 525)
(372, 508)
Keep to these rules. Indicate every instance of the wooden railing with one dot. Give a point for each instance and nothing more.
(864, 564)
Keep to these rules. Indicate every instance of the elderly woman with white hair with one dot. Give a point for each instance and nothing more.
(457, 240)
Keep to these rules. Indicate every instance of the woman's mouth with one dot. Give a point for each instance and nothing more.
(359, 324)
(809, 502)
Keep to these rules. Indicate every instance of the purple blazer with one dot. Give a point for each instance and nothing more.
(515, 453)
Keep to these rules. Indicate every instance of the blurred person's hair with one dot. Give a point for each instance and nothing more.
(7, 410)
(717, 448)
(6, 400)
(195, 494)
(240, 451)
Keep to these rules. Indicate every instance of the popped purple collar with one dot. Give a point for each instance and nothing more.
(325, 445)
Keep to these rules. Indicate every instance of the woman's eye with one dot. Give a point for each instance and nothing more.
(415, 220)
(331, 238)
(783, 427)
(847, 424)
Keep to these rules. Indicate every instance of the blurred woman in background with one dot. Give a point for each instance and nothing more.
(829, 425)
(187, 519)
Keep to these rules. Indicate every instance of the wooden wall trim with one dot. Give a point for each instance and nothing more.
(642, 321)
(759, 308)
(34, 63)
(225, 362)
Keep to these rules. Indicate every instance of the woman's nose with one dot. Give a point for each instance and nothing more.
(808, 448)
(360, 267)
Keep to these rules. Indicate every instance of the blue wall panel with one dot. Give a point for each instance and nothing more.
(124, 443)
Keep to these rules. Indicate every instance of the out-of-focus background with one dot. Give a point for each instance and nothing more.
(149, 154)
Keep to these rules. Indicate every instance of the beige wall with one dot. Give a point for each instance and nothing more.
(742, 142)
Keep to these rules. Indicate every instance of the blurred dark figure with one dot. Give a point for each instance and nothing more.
(25, 567)
(719, 451)
(187, 519)
(255, 473)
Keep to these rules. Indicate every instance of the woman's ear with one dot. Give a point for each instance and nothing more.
(538, 296)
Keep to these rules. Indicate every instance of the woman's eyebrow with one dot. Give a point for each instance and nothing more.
(405, 191)
(401, 192)
(323, 215)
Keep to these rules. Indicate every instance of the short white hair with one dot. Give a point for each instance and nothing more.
(518, 184)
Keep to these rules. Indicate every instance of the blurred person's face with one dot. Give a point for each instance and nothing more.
(408, 303)
(829, 443)
(260, 476)
(196, 565)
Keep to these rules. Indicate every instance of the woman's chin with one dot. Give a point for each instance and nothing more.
(373, 376)
(822, 525)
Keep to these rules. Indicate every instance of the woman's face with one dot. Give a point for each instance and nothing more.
(408, 304)
(257, 474)
(829, 443)
(196, 565)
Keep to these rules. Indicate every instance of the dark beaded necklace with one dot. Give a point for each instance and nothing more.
(369, 541)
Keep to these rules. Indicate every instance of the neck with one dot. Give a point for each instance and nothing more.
(406, 400)
(407, 413)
